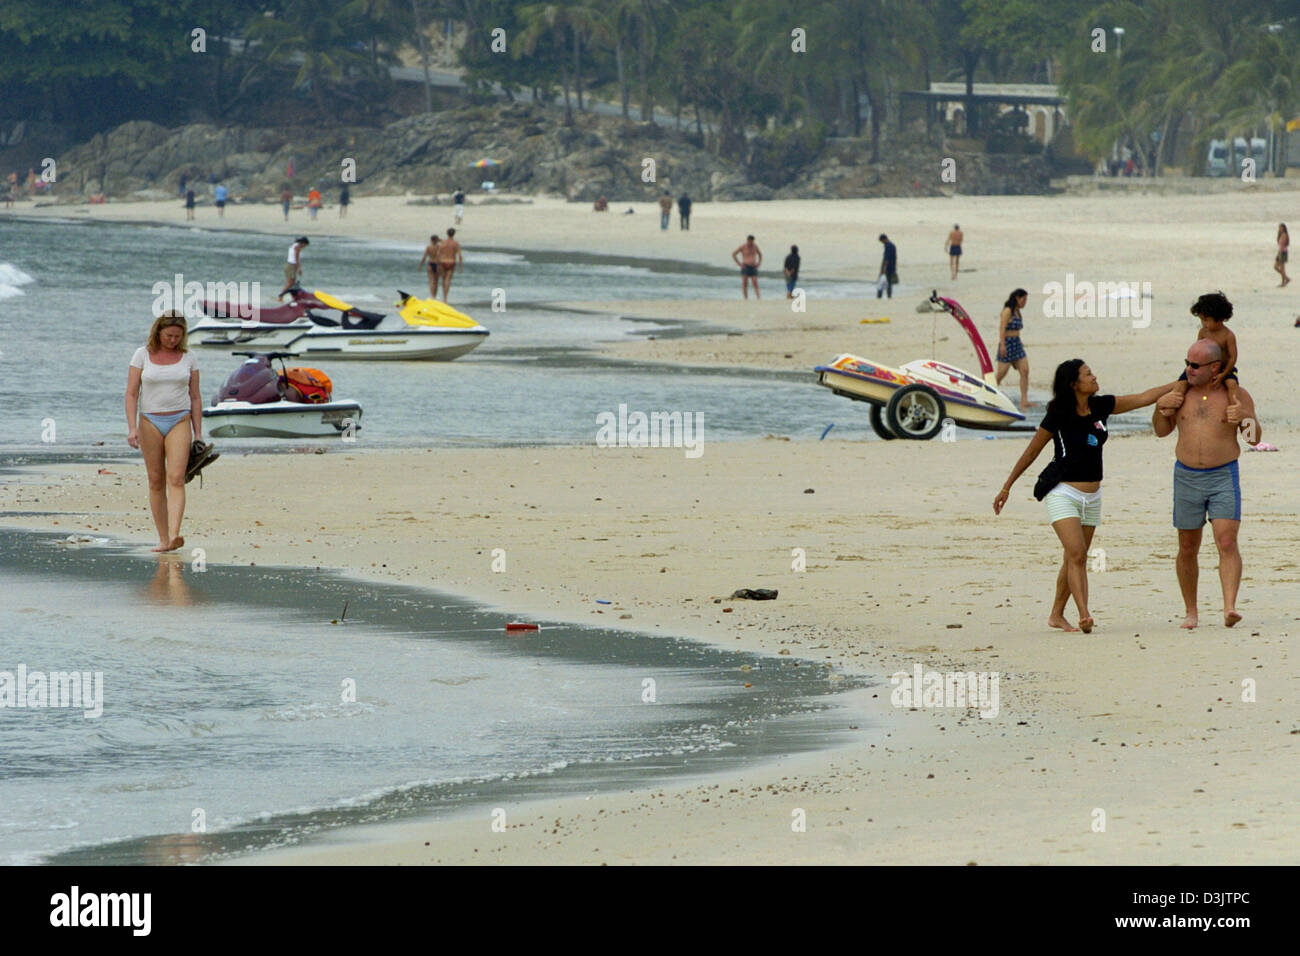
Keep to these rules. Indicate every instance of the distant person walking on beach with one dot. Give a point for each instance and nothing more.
(1283, 244)
(1206, 481)
(749, 257)
(665, 209)
(449, 257)
(888, 268)
(189, 203)
(684, 211)
(345, 197)
(953, 245)
(429, 262)
(1075, 424)
(293, 267)
(286, 200)
(163, 411)
(314, 202)
(1011, 351)
(791, 271)
(458, 203)
(219, 196)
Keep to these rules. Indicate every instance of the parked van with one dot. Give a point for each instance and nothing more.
(1220, 161)
(1216, 160)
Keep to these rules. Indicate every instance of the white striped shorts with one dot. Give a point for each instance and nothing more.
(1066, 501)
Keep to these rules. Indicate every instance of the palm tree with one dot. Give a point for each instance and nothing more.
(318, 33)
(552, 21)
(1262, 87)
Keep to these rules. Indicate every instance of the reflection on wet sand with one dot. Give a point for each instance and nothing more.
(169, 585)
(174, 849)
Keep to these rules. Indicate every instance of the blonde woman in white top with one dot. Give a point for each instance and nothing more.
(162, 385)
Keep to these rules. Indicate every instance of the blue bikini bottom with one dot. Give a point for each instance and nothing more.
(165, 423)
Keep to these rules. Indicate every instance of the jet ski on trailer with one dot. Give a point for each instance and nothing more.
(914, 400)
(315, 325)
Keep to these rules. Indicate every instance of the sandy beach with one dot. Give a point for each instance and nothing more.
(905, 562)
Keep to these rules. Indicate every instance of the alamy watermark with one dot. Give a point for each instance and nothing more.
(237, 300)
(654, 430)
(40, 690)
(961, 689)
(1098, 300)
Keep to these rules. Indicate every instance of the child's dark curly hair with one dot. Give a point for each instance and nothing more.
(1213, 305)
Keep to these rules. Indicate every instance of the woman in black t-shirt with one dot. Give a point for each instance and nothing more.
(1075, 424)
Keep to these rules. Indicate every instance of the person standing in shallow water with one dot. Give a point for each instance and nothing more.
(749, 257)
(449, 258)
(429, 262)
(792, 271)
(162, 389)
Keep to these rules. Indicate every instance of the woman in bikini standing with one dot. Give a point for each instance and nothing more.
(1283, 244)
(1010, 350)
(162, 385)
(429, 261)
(1075, 425)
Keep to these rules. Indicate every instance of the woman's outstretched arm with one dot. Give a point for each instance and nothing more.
(1126, 403)
(1032, 451)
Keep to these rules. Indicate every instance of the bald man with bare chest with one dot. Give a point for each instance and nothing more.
(1206, 480)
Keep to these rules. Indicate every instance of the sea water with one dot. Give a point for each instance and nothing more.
(77, 301)
(244, 707)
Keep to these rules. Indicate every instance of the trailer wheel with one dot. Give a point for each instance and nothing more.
(915, 411)
(878, 424)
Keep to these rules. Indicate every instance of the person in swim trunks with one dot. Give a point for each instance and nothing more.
(1075, 424)
(749, 257)
(1206, 481)
(162, 386)
(449, 258)
(954, 249)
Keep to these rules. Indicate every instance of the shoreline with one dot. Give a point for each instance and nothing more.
(711, 731)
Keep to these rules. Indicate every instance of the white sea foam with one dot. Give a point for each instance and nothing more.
(11, 277)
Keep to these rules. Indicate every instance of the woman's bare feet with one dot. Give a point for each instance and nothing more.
(1085, 624)
(162, 546)
(1190, 621)
(1058, 620)
(176, 544)
(1230, 618)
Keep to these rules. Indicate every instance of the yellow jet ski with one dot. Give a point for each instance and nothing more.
(431, 312)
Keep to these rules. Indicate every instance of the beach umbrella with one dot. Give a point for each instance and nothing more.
(484, 163)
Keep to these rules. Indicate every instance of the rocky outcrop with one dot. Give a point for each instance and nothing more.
(435, 153)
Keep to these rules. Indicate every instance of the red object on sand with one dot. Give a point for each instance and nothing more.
(521, 626)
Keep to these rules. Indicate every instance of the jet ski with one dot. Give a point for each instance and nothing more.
(257, 401)
(315, 325)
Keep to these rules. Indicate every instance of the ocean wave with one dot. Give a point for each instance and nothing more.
(10, 274)
(318, 711)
